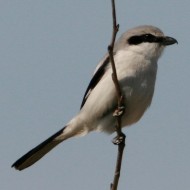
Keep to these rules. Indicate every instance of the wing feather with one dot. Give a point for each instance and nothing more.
(99, 72)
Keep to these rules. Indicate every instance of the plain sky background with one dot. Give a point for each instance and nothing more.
(48, 51)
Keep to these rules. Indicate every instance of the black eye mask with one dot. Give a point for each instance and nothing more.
(135, 40)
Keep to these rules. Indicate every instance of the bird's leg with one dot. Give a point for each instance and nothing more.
(119, 111)
(120, 108)
(119, 139)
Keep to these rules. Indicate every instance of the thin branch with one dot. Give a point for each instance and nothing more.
(120, 138)
(115, 182)
(110, 50)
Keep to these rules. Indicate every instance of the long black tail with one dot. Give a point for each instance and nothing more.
(38, 152)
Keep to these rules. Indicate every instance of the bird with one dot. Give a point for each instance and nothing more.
(136, 54)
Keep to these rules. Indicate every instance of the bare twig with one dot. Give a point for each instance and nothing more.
(120, 138)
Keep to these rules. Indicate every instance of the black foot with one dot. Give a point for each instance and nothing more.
(119, 139)
(118, 112)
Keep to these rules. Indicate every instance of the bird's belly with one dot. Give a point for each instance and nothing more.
(138, 99)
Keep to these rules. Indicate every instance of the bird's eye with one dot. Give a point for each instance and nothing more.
(149, 38)
(147, 35)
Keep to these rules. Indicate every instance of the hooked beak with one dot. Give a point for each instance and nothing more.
(168, 41)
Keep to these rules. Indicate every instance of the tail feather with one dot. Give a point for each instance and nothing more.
(38, 152)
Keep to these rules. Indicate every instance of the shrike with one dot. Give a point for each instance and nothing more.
(136, 54)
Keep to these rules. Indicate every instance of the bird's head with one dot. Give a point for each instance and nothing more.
(146, 40)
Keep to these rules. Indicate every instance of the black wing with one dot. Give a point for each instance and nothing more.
(95, 79)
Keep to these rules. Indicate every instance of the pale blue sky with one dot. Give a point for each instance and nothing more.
(48, 51)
